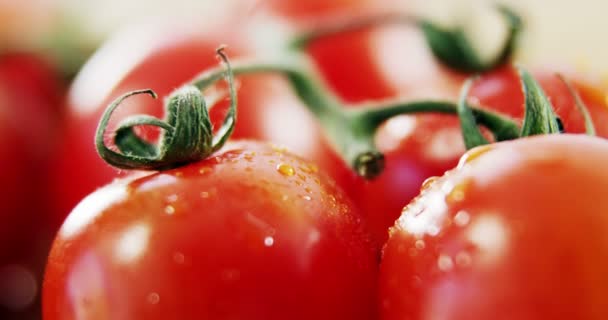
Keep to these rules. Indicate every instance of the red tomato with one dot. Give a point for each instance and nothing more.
(30, 94)
(137, 59)
(250, 233)
(311, 9)
(518, 231)
(417, 147)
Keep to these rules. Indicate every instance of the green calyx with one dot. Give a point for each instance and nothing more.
(452, 47)
(187, 132)
(582, 108)
(470, 131)
(351, 130)
(539, 117)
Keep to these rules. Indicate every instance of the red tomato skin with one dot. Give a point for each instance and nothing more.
(268, 110)
(250, 233)
(165, 60)
(303, 10)
(357, 78)
(30, 97)
(517, 232)
(421, 146)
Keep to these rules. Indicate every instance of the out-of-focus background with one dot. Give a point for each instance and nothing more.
(42, 38)
(556, 31)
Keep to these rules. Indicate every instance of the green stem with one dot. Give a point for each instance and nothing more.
(450, 46)
(348, 137)
(539, 115)
(580, 105)
(470, 131)
(187, 134)
(351, 131)
(307, 86)
(501, 127)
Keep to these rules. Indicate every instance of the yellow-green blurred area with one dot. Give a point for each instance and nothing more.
(557, 31)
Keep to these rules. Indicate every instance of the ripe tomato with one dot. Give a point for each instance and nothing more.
(30, 94)
(132, 60)
(416, 147)
(250, 233)
(420, 146)
(301, 10)
(518, 231)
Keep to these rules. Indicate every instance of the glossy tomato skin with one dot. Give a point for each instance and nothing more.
(135, 59)
(250, 233)
(421, 146)
(30, 97)
(518, 231)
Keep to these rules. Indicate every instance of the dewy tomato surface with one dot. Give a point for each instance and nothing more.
(518, 231)
(250, 233)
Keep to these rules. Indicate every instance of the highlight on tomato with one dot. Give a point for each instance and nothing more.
(516, 230)
(248, 231)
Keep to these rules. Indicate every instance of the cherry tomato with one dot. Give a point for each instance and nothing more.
(135, 59)
(420, 146)
(30, 94)
(517, 231)
(416, 147)
(250, 233)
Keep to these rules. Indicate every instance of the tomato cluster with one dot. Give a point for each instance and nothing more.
(343, 193)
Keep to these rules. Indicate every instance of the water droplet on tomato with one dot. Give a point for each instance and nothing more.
(445, 263)
(169, 209)
(473, 154)
(179, 258)
(153, 298)
(205, 170)
(277, 148)
(457, 194)
(432, 230)
(313, 168)
(462, 218)
(463, 259)
(420, 245)
(286, 169)
(428, 183)
(172, 198)
(269, 241)
(306, 197)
